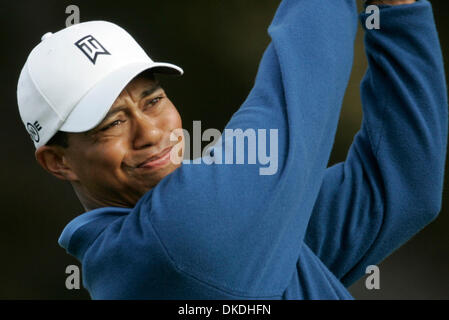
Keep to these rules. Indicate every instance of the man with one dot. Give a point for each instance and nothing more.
(157, 230)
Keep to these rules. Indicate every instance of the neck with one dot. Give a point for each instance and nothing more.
(90, 202)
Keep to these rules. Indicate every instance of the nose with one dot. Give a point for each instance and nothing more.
(146, 132)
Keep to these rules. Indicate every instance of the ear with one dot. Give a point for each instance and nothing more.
(53, 160)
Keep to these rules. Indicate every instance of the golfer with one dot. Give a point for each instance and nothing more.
(155, 228)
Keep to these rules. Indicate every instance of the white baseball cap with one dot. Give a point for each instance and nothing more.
(72, 77)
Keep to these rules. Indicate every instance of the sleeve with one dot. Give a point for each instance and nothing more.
(227, 224)
(390, 185)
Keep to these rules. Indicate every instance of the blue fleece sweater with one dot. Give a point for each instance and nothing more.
(308, 231)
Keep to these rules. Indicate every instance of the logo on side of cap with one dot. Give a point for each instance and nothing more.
(33, 130)
(91, 47)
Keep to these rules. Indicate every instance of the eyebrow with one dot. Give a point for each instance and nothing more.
(150, 91)
(144, 94)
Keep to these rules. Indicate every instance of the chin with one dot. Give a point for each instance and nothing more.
(148, 183)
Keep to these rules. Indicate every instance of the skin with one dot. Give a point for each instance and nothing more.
(103, 164)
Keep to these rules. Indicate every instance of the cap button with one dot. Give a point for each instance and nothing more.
(47, 35)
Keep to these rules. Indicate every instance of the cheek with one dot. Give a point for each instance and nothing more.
(103, 158)
(171, 119)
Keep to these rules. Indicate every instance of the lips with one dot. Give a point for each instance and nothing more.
(157, 160)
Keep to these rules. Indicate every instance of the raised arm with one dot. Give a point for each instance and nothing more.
(236, 229)
(227, 227)
(390, 185)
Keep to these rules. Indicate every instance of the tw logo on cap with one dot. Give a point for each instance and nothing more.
(91, 47)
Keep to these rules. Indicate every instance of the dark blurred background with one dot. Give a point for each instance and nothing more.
(219, 45)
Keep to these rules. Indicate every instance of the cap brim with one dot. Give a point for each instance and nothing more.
(94, 106)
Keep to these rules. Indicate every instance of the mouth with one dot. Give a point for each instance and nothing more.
(159, 160)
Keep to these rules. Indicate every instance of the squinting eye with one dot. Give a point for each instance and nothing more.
(112, 124)
(154, 101)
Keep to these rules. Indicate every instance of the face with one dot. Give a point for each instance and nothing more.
(128, 153)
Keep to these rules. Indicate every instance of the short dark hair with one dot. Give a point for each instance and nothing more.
(148, 74)
(60, 139)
